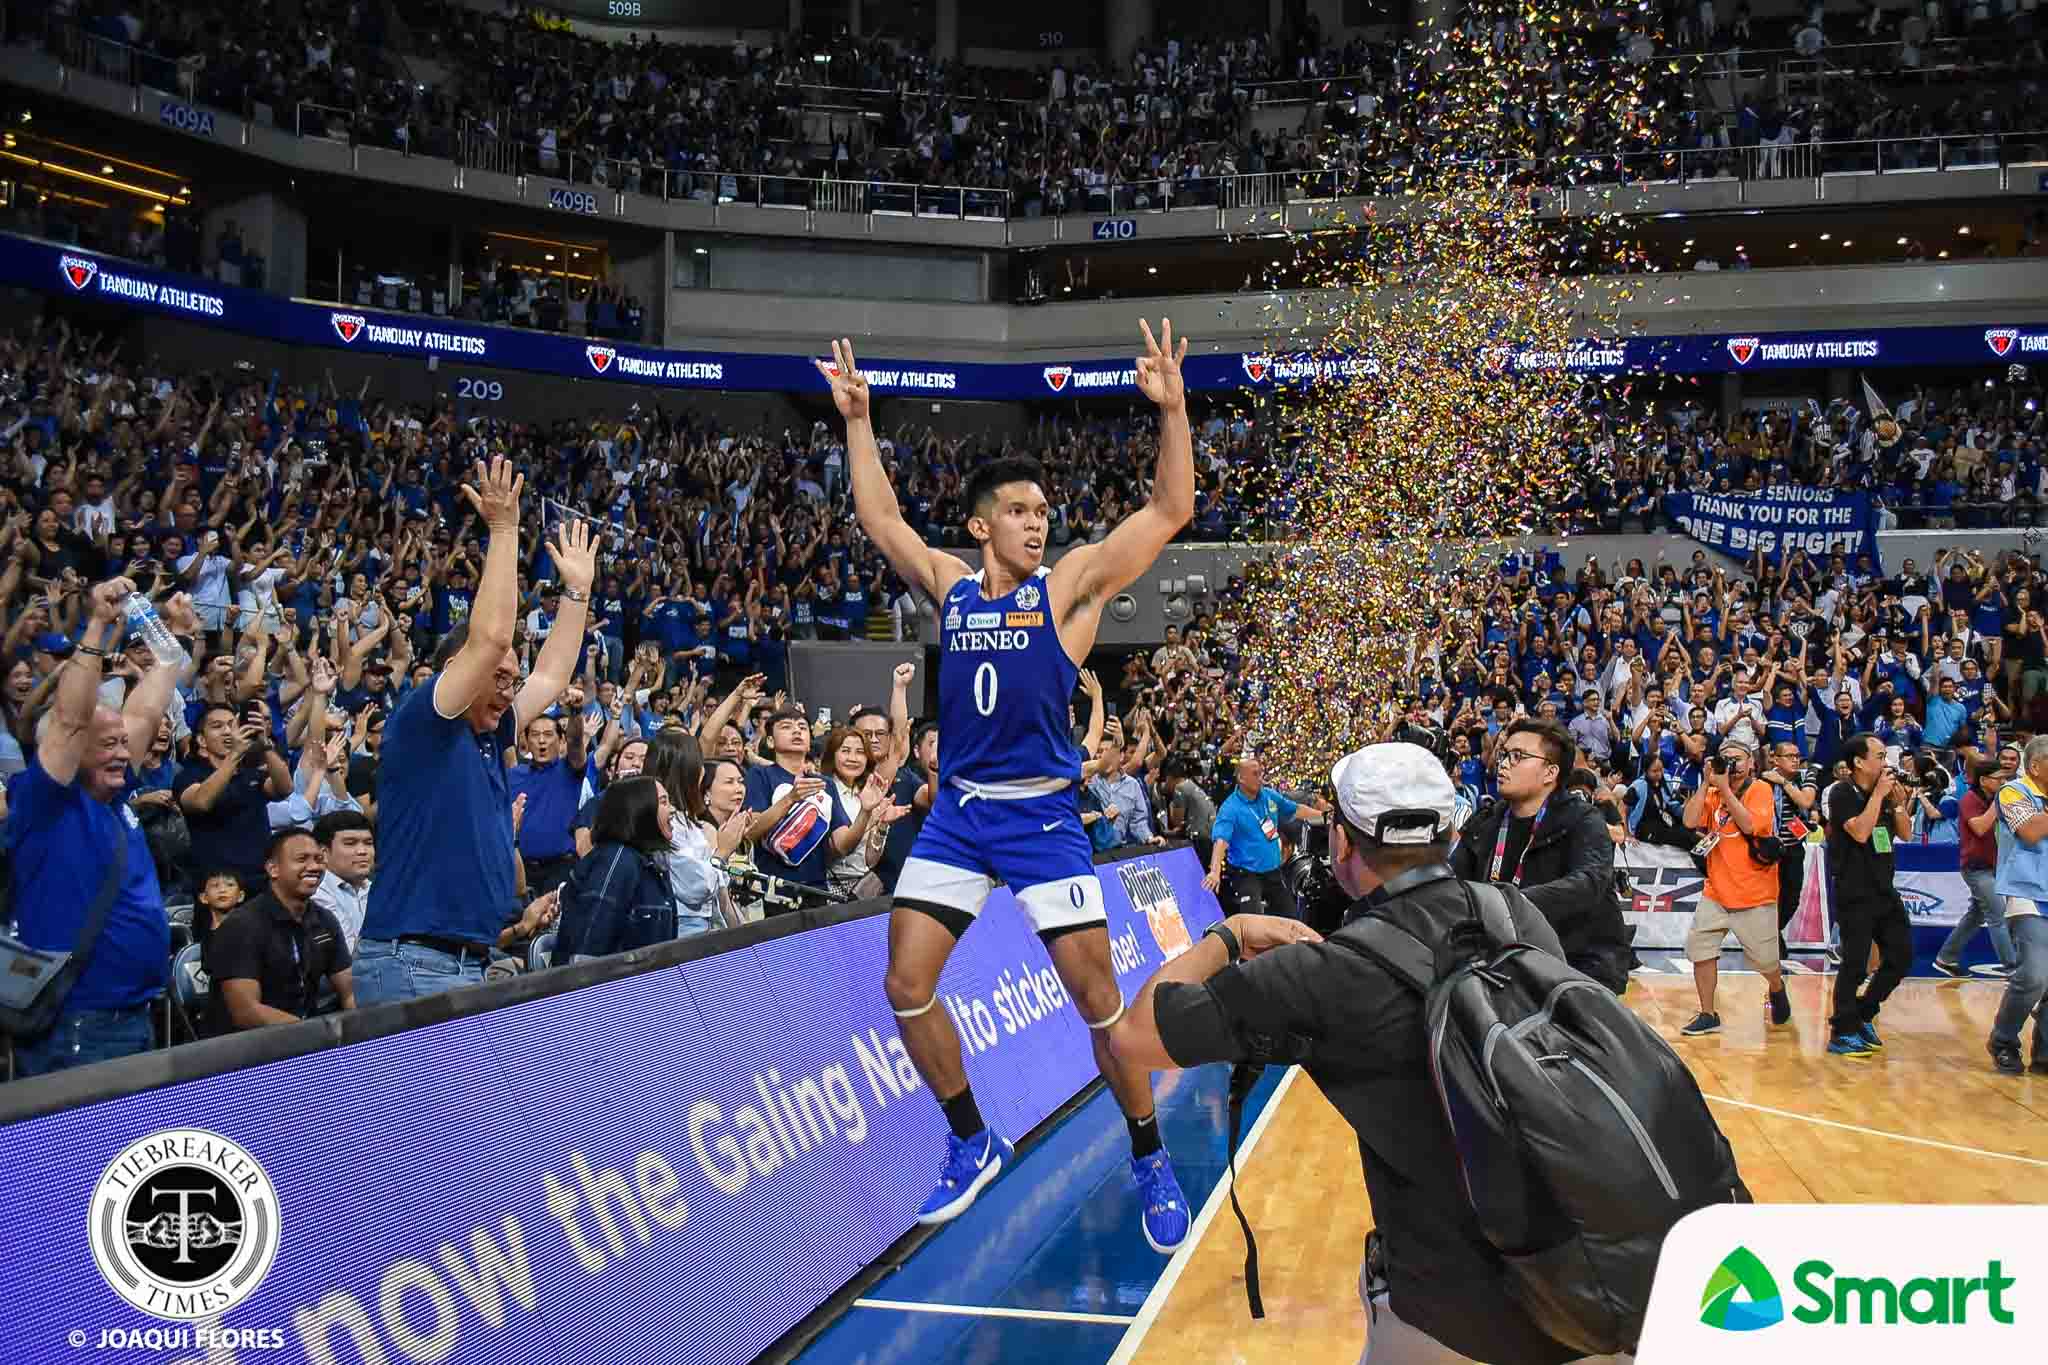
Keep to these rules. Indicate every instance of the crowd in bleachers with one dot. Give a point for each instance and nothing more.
(313, 549)
(1968, 456)
(1166, 125)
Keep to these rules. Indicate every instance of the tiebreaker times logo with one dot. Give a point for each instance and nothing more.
(184, 1226)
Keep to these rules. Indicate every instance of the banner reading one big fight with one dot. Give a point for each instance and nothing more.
(1777, 521)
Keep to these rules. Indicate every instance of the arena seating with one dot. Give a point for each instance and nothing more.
(345, 534)
(1239, 120)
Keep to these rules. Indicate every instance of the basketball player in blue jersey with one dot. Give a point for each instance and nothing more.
(1012, 638)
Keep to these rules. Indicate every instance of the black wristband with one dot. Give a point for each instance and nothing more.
(1230, 944)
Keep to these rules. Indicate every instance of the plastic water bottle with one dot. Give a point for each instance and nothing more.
(143, 621)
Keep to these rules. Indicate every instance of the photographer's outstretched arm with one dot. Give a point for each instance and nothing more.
(1136, 1036)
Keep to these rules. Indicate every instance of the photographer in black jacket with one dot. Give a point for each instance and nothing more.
(1554, 845)
(1262, 989)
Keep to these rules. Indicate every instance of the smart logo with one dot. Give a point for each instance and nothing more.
(1742, 1296)
(1760, 1304)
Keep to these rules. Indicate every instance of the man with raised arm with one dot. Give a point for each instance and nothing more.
(1012, 638)
(445, 886)
(65, 816)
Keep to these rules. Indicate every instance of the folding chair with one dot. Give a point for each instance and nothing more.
(191, 990)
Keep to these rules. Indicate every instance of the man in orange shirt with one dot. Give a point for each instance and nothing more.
(1732, 810)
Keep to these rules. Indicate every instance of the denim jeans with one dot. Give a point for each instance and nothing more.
(385, 971)
(1987, 909)
(82, 1037)
(689, 926)
(2026, 990)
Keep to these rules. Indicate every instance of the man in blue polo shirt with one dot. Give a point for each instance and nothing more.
(65, 813)
(795, 818)
(444, 886)
(553, 787)
(1247, 844)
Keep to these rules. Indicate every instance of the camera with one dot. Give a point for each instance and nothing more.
(1322, 900)
(1716, 763)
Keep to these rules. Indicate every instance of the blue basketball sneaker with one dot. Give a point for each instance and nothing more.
(1165, 1219)
(1868, 1033)
(970, 1164)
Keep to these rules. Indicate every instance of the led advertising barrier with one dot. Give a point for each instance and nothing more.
(42, 266)
(674, 1166)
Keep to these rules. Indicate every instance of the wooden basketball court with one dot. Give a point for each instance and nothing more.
(1926, 1122)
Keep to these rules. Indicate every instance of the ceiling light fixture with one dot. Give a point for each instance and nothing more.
(1963, 231)
(1825, 236)
(1151, 270)
(1902, 241)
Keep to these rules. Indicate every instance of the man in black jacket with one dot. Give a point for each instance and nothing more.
(1260, 988)
(1555, 846)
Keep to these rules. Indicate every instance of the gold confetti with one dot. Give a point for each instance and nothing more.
(1429, 394)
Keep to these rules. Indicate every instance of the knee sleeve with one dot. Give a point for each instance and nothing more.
(925, 1008)
(1121, 1006)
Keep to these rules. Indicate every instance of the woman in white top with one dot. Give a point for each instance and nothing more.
(724, 825)
(695, 865)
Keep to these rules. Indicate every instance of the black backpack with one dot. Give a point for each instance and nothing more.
(1581, 1135)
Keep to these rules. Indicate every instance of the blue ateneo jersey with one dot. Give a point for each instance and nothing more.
(1004, 683)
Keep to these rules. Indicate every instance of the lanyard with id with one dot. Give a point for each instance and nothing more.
(1500, 844)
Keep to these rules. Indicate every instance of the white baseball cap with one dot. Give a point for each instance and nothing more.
(1405, 780)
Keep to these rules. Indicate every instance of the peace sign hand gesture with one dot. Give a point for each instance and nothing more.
(849, 385)
(1159, 368)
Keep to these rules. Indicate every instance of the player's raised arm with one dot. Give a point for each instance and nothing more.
(1094, 573)
(874, 500)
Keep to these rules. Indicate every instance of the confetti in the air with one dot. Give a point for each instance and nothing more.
(1437, 392)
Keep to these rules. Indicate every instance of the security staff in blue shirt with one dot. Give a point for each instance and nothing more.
(1247, 844)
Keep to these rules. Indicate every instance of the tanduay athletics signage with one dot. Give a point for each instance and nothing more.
(38, 265)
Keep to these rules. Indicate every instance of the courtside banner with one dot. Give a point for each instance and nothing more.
(677, 1165)
(1898, 1284)
(1662, 887)
(59, 270)
(1778, 520)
